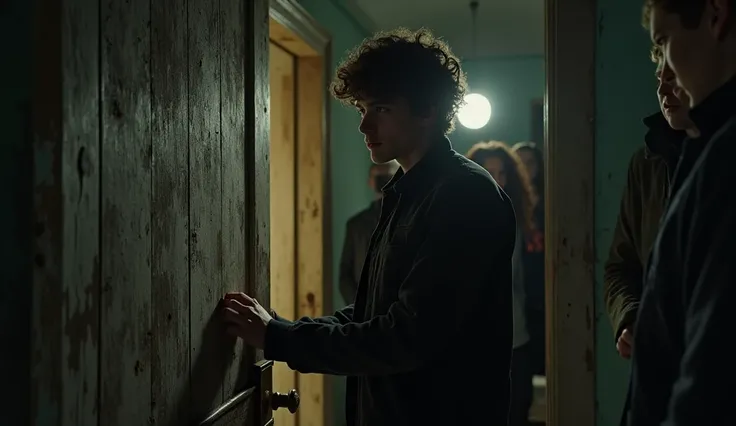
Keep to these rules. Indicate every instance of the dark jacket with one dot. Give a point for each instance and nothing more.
(435, 294)
(358, 233)
(642, 205)
(683, 371)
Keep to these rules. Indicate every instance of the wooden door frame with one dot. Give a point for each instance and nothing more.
(293, 17)
(570, 40)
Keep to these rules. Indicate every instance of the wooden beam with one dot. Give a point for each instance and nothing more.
(570, 191)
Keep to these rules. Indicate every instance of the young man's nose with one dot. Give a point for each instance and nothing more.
(366, 124)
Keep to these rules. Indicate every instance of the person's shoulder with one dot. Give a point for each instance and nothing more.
(716, 171)
(467, 185)
(466, 174)
(639, 157)
(722, 146)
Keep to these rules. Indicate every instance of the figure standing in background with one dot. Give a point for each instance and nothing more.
(510, 174)
(359, 229)
(532, 158)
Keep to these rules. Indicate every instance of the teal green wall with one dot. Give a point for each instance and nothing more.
(511, 83)
(625, 93)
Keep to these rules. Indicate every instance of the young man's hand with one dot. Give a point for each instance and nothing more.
(625, 343)
(246, 318)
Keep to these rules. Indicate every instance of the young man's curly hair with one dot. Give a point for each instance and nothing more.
(413, 65)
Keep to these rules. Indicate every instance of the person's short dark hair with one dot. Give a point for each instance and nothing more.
(689, 11)
(414, 65)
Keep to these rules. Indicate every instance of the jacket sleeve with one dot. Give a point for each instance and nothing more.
(348, 286)
(703, 392)
(623, 271)
(432, 299)
(341, 316)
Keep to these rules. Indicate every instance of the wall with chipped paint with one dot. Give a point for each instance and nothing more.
(15, 213)
(625, 93)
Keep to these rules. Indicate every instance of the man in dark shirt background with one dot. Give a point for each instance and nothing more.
(359, 229)
(435, 291)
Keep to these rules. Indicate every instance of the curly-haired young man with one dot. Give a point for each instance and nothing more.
(435, 289)
(682, 372)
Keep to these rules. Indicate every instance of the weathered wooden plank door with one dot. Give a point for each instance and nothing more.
(151, 132)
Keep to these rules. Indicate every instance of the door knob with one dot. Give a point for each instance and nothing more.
(290, 401)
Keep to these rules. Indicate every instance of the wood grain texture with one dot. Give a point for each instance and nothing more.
(310, 208)
(170, 214)
(282, 188)
(232, 43)
(570, 215)
(81, 180)
(257, 150)
(207, 350)
(125, 353)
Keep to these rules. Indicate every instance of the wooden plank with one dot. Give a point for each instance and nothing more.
(208, 363)
(170, 214)
(257, 149)
(570, 216)
(81, 177)
(283, 205)
(232, 42)
(282, 175)
(310, 205)
(126, 213)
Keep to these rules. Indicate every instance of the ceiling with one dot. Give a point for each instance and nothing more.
(504, 27)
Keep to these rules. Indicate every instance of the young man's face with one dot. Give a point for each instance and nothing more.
(673, 101)
(695, 54)
(392, 130)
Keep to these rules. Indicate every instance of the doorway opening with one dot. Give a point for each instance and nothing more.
(299, 196)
